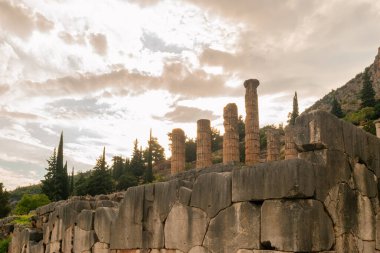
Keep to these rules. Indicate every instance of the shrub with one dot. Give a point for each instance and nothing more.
(4, 244)
(30, 202)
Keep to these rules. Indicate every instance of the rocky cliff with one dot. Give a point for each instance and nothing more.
(349, 94)
(326, 200)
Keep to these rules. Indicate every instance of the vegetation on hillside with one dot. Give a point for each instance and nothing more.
(4, 202)
(4, 244)
(30, 202)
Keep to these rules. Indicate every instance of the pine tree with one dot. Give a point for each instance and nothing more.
(295, 112)
(137, 162)
(336, 109)
(49, 183)
(148, 177)
(4, 202)
(100, 180)
(81, 185)
(118, 167)
(367, 94)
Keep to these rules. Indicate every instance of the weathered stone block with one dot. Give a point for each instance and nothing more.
(83, 240)
(127, 227)
(212, 192)
(102, 223)
(199, 249)
(331, 168)
(280, 179)
(165, 195)
(236, 227)
(365, 180)
(185, 227)
(351, 212)
(85, 220)
(184, 195)
(296, 225)
(100, 247)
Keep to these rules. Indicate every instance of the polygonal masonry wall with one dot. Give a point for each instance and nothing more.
(325, 201)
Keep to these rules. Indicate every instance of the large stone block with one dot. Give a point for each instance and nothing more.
(351, 212)
(236, 227)
(280, 179)
(102, 223)
(85, 220)
(199, 249)
(365, 180)
(165, 195)
(212, 192)
(296, 226)
(185, 227)
(318, 130)
(100, 247)
(126, 229)
(331, 168)
(83, 240)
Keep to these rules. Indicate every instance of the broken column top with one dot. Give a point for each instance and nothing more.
(251, 83)
(178, 131)
(203, 124)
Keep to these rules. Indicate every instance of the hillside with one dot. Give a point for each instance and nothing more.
(349, 94)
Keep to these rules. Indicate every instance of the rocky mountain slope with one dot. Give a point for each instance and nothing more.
(349, 94)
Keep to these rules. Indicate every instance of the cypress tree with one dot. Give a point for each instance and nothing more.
(295, 112)
(72, 182)
(100, 180)
(367, 94)
(149, 171)
(62, 179)
(336, 109)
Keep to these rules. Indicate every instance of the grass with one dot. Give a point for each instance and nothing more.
(23, 220)
(4, 244)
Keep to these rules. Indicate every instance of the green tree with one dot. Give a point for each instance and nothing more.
(49, 183)
(118, 167)
(100, 180)
(137, 161)
(367, 94)
(30, 202)
(72, 182)
(4, 202)
(241, 131)
(295, 113)
(81, 185)
(336, 109)
(125, 181)
(62, 178)
(216, 140)
(148, 175)
(190, 150)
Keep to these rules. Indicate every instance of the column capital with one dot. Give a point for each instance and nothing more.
(251, 83)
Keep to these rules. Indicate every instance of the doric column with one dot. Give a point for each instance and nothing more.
(231, 134)
(273, 145)
(252, 136)
(178, 151)
(290, 147)
(203, 144)
(377, 125)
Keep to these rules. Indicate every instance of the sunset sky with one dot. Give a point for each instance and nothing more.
(105, 72)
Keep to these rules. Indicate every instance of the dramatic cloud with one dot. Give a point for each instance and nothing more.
(21, 21)
(184, 114)
(152, 42)
(99, 43)
(4, 112)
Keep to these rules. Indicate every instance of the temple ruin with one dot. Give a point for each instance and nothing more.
(203, 144)
(323, 198)
(273, 145)
(252, 135)
(178, 151)
(231, 135)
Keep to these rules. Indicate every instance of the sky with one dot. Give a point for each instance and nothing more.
(105, 72)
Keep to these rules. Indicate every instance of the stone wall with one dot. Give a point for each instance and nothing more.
(324, 201)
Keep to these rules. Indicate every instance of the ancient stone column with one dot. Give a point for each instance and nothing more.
(178, 151)
(252, 136)
(231, 134)
(377, 125)
(290, 147)
(273, 145)
(203, 144)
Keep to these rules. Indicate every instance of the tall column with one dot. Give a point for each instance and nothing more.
(231, 134)
(203, 144)
(273, 145)
(252, 136)
(377, 125)
(290, 147)
(178, 151)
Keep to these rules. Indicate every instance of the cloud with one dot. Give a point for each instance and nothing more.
(72, 39)
(154, 43)
(5, 113)
(99, 43)
(176, 78)
(145, 3)
(21, 21)
(4, 89)
(185, 114)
